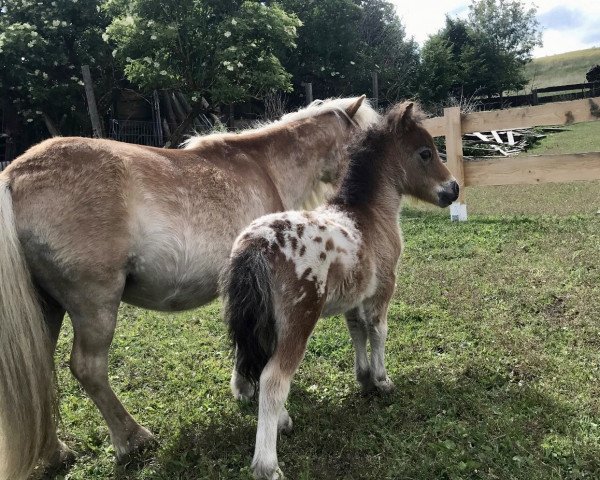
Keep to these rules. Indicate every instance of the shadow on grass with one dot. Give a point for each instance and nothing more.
(478, 424)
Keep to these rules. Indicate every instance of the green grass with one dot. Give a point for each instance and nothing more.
(493, 345)
(580, 137)
(562, 69)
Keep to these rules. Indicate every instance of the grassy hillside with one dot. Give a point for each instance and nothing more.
(561, 69)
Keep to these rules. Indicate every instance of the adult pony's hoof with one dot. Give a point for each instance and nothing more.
(139, 444)
(59, 461)
(267, 473)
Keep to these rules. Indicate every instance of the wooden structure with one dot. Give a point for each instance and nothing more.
(515, 170)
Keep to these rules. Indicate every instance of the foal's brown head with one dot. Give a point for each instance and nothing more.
(418, 169)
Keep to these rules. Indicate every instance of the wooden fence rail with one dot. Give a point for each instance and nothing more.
(515, 170)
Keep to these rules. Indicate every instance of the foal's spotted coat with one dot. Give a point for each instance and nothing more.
(288, 269)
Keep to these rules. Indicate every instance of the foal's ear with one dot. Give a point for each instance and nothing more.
(401, 116)
(353, 108)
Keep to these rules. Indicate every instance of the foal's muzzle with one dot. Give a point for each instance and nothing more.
(448, 194)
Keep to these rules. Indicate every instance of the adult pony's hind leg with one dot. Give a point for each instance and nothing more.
(93, 327)
(54, 313)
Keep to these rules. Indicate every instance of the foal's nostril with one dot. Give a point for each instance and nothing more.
(455, 188)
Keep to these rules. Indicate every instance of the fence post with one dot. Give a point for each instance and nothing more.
(308, 92)
(454, 153)
(91, 100)
(375, 79)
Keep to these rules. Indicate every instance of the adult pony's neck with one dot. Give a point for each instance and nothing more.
(303, 151)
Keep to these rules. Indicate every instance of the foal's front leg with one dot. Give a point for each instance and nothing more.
(377, 325)
(357, 326)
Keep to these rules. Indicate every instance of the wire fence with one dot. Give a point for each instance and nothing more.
(134, 131)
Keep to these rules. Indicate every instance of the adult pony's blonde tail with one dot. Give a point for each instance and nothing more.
(27, 393)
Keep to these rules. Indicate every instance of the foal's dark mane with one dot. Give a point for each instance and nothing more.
(366, 155)
(359, 184)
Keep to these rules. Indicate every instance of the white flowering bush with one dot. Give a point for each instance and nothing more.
(42, 47)
(224, 51)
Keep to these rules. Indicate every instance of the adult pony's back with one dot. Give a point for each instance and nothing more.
(87, 223)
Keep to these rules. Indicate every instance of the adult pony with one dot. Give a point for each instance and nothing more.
(288, 269)
(86, 223)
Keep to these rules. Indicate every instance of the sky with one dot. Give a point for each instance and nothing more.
(566, 24)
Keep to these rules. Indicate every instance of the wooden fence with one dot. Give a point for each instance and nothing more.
(540, 96)
(515, 170)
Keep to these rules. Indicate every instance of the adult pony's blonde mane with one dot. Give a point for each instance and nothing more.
(363, 118)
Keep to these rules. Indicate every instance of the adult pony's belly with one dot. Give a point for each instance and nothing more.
(173, 267)
(168, 290)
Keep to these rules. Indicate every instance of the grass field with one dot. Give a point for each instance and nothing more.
(562, 69)
(494, 346)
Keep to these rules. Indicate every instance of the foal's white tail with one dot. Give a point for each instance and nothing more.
(27, 394)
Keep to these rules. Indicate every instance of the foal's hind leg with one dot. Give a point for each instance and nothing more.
(94, 326)
(244, 391)
(241, 387)
(274, 388)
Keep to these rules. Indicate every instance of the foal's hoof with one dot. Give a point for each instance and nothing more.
(285, 426)
(59, 462)
(139, 444)
(243, 392)
(268, 474)
(385, 386)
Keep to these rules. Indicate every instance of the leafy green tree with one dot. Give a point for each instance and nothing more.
(504, 34)
(483, 55)
(328, 53)
(224, 51)
(387, 50)
(439, 70)
(42, 48)
(341, 42)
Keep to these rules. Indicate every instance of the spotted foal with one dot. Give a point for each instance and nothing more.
(288, 269)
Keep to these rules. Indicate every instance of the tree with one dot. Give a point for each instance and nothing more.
(42, 48)
(504, 33)
(341, 42)
(387, 51)
(439, 71)
(329, 52)
(224, 51)
(483, 55)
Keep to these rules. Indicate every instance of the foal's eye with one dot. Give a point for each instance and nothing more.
(425, 154)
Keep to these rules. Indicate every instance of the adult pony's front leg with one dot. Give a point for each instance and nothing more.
(94, 328)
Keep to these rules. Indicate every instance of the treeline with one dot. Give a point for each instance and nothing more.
(235, 51)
